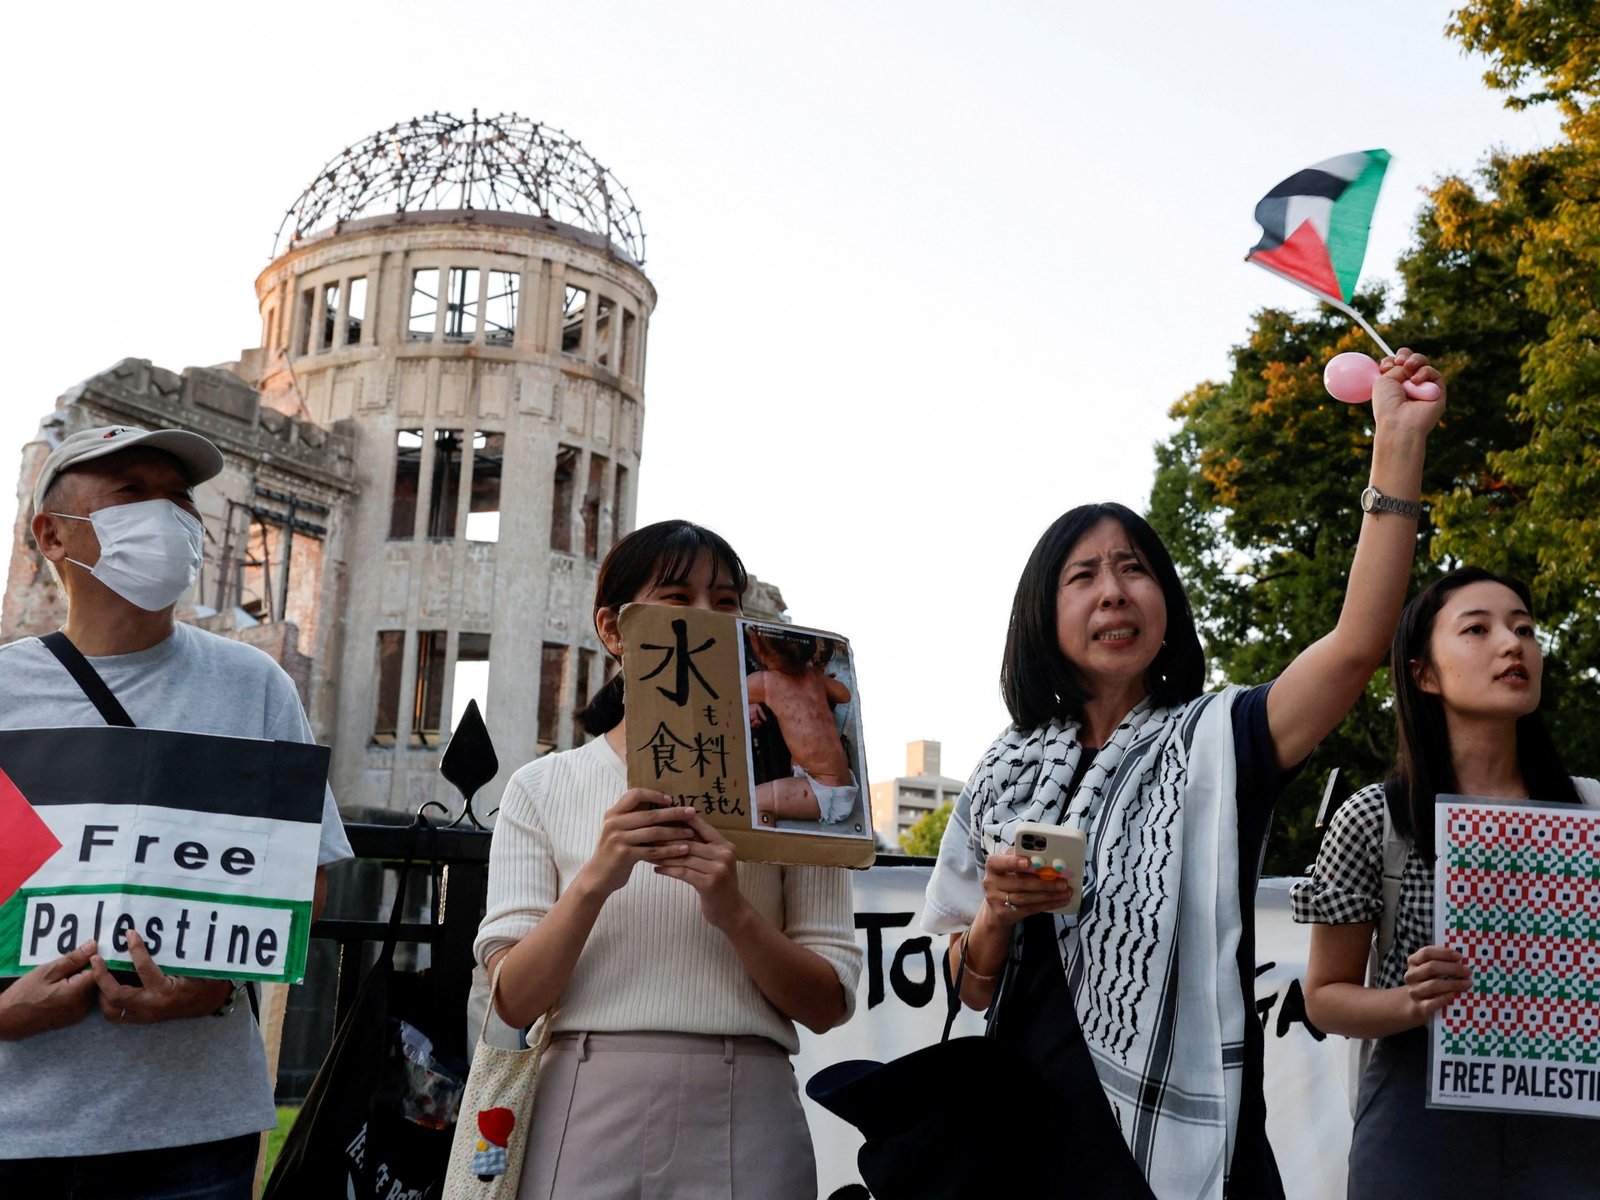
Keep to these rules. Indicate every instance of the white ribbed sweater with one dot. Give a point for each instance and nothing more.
(651, 962)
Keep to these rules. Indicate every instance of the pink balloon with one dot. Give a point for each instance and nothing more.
(1349, 377)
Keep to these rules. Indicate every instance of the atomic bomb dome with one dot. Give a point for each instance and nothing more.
(430, 449)
(495, 165)
(464, 301)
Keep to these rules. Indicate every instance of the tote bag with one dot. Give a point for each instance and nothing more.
(908, 1109)
(492, 1130)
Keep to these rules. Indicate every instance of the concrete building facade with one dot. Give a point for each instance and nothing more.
(496, 460)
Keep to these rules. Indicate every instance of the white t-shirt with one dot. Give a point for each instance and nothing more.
(100, 1088)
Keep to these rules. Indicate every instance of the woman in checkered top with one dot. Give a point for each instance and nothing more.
(1466, 667)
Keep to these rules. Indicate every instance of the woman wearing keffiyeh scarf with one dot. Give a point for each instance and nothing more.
(1139, 1011)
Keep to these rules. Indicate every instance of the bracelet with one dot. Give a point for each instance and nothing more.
(968, 967)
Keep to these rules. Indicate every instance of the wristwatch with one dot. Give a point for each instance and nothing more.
(1374, 501)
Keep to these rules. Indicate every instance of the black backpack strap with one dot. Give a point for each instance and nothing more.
(87, 678)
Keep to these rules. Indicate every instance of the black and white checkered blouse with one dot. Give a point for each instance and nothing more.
(1346, 885)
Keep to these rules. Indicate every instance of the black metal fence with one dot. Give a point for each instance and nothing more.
(444, 904)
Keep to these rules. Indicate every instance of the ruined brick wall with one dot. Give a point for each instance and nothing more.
(34, 602)
(262, 449)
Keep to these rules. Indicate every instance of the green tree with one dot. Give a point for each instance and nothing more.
(1256, 494)
(1534, 508)
(1255, 490)
(1552, 46)
(1540, 518)
(924, 837)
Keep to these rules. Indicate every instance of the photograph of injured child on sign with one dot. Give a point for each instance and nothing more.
(805, 739)
(756, 725)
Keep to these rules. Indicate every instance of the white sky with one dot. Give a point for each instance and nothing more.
(929, 273)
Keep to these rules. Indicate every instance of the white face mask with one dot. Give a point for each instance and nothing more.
(149, 551)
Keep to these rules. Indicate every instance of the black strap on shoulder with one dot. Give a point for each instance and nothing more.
(87, 678)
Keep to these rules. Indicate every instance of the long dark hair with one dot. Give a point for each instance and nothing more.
(1425, 769)
(661, 553)
(1036, 680)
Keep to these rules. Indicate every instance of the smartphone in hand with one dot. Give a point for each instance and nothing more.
(1054, 850)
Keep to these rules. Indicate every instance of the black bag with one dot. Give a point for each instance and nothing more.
(352, 1137)
(917, 1112)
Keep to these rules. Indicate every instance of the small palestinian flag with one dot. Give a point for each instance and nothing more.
(1314, 224)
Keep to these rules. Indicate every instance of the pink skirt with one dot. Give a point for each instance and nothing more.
(653, 1116)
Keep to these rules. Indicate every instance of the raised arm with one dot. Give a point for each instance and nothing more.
(1319, 686)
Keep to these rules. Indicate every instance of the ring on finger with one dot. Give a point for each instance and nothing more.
(123, 1015)
(1008, 903)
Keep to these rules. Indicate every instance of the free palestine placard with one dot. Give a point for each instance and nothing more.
(205, 846)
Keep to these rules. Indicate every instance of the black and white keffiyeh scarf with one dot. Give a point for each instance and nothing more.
(1151, 959)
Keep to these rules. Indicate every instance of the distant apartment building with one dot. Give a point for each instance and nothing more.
(900, 803)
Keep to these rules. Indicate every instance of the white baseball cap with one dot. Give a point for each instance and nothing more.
(199, 458)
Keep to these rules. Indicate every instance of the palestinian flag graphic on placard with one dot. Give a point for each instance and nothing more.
(26, 842)
(206, 846)
(1314, 224)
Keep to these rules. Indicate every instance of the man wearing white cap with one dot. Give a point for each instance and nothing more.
(158, 1089)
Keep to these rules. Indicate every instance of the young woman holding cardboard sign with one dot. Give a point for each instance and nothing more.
(676, 988)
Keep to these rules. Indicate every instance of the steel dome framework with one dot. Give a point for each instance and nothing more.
(440, 162)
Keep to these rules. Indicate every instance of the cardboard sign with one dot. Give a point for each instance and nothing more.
(205, 846)
(756, 725)
(1517, 892)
